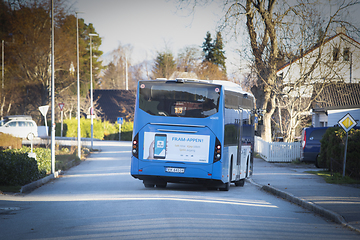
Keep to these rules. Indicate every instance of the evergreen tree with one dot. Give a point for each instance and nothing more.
(219, 53)
(208, 48)
(164, 65)
(214, 52)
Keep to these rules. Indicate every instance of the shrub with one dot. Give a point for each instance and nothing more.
(101, 130)
(43, 158)
(126, 132)
(353, 153)
(16, 168)
(71, 127)
(111, 131)
(57, 128)
(332, 151)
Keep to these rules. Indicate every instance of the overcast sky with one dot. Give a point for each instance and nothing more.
(149, 26)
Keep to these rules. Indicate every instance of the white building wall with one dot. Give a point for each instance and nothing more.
(319, 119)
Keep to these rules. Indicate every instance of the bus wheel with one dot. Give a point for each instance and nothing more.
(226, 187)
(240, 183)
(161, 185)
(149, 185)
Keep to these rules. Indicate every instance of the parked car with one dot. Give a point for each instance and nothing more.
(310, 142)
(21, 126)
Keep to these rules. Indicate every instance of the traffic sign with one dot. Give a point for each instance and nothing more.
(347, 122)
(61, 106)
(43, 110)
(120, 120)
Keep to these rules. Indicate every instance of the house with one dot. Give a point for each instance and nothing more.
(333, 86)
(116, 103)
(339, 62)
(334, 102)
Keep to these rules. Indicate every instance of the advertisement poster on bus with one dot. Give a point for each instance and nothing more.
(176, 147)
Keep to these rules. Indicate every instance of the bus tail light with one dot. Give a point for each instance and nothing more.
(135, 146)
(217, 152)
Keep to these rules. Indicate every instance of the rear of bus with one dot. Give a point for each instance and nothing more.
(178, 133)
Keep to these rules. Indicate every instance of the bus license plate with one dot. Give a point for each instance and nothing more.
(174, 170)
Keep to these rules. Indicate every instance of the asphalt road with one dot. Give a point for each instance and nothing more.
(100, 200)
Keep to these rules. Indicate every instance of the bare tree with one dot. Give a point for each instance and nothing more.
(115, 74)
(279, 31)
(189, 58)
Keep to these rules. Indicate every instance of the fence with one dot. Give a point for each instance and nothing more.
(277, 151)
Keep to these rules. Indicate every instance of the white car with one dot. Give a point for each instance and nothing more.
(21, 126)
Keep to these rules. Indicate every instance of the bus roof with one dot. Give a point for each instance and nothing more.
(228, 86)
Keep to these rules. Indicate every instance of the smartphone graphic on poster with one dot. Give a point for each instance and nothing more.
(160, 146)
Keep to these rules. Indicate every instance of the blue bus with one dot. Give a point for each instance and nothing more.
(191, 131)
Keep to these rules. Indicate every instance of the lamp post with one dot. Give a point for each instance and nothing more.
(2, 66)
(52, 91)
(2, 74)
(78, 87)
(91, 92)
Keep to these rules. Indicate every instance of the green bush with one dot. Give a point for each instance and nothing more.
(352, 155)
(126, 132)
(16, 168)
(102, 130)
(332, 151)
(43, 158)
(111, 131)
(58, 129)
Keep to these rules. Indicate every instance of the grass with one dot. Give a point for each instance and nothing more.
(335, 178)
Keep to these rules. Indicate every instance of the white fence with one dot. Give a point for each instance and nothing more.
(277, 151)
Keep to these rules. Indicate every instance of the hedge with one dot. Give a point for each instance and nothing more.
(16, 168)
(332, 151)
(101, 130)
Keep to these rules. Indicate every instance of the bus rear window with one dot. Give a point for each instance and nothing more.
(195, 100)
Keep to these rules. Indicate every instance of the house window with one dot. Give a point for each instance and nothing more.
(336, 52)
(346, 54)
(323, 124)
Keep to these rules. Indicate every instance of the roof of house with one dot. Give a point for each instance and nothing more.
(339, 96)
(116, 103)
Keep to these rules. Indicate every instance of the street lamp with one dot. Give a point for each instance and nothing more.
(78, 87)
(52, 91)
(2, 67)
(91, 92)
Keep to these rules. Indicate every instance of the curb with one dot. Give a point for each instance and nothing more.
(31, 186)
(307, 205)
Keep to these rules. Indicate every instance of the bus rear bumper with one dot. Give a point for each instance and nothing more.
(156, 180)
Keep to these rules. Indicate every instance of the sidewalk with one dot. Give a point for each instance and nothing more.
(338, 203)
